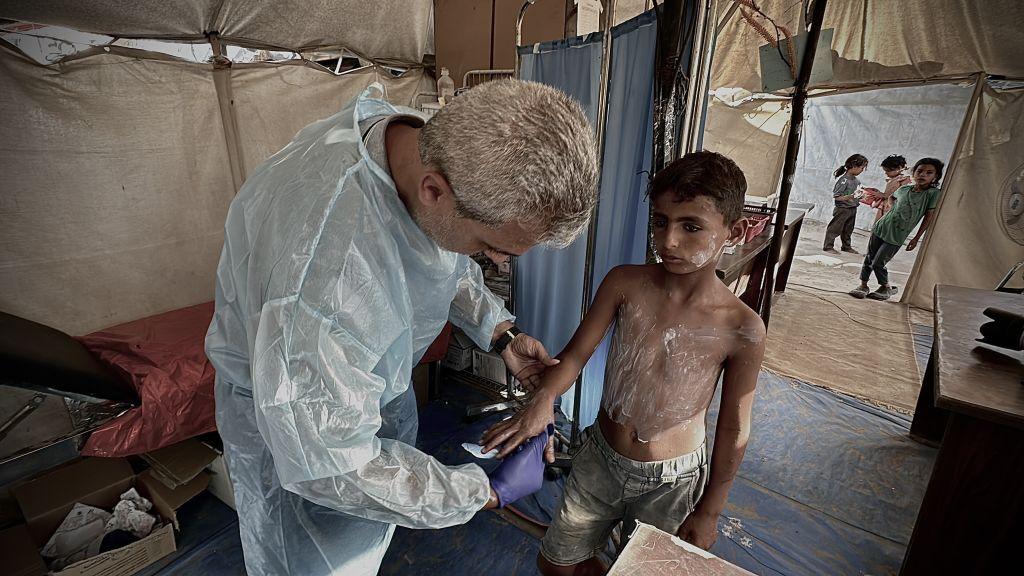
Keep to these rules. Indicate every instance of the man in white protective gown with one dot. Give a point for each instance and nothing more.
(345, 253)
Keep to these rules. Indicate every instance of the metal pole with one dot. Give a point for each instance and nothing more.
(588, 270)
(792, 149)
(519, 34)
(510, 388)
(696, 87)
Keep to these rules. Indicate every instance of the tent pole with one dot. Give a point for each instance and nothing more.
(702, 54)
(792, 150)
(519, 34)
(588, 263)
(961, 140)
(225, 99)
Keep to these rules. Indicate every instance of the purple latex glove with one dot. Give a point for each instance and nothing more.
(522, 472)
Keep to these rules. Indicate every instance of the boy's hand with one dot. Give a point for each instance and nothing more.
(699, 529)
(527, 359)
(912, 244)
(508, 434)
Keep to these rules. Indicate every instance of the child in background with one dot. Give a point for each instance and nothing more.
(677, 328)
(893, 166)
(912, 204)
(847, 198)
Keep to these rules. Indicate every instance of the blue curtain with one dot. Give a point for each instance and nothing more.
(549, 284)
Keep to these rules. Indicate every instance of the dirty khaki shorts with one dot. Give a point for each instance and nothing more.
(606, 487)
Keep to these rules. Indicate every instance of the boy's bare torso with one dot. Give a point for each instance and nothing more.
(666, 357)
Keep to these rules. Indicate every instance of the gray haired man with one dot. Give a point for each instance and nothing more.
(345, 254)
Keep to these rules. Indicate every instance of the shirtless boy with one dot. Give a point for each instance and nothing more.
(677, 329)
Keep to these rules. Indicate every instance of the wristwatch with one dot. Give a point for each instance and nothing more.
(506, 338)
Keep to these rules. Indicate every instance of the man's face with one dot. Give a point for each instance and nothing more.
(690, 235)
(443, 225)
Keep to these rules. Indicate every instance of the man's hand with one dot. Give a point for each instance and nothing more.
(527, 359)
(912, 244)
(508, 434)
(699, 529)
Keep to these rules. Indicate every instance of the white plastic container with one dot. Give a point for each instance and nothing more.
(445, 87)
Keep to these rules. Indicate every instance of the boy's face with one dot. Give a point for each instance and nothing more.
(892, 172)
(691, 235)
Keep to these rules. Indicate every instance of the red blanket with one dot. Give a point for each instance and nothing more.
(164, 358)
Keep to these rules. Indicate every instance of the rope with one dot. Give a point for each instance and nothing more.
(748, 9)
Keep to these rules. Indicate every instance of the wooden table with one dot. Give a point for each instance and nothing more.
(972, 404)
(751, 259)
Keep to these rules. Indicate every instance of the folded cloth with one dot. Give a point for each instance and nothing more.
(77, 538)
(130, 515)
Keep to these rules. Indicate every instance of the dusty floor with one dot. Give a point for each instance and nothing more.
(839, 272)
(823, 336)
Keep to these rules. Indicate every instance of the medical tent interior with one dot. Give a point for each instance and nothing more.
(121, 155)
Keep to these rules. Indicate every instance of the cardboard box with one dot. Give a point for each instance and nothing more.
(179, 464)
(460, 352)
(46, 500)
(220, 482)
(19, 552)
(489, 366)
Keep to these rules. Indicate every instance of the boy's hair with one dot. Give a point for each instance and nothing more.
(851, 162)
(894, 162)
(937, 164)
(703, 174)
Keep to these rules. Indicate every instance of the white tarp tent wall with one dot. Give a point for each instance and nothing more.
(881, 44)
(914, 121)
(118, 165)
(975, 239)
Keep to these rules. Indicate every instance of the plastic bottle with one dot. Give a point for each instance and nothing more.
(445, 87)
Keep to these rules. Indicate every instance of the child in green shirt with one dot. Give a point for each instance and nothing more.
(913, 203)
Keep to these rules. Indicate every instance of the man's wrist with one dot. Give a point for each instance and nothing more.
(500, 329)
(505, 339)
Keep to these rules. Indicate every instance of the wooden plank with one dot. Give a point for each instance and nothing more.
(929, 423)
(732, 266)
(974, 378)
(969, 522)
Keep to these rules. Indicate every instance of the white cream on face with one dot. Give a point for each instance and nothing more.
(712, 252)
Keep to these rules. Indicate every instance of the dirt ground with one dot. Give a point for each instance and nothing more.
(839, 272)
(823, 336)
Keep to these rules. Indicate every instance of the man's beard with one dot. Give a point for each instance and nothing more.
(438, 227)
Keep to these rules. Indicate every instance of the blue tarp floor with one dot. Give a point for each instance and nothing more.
(829, 485)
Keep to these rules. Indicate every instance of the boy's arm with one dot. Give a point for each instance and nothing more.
(557, 379)
(731, 434)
